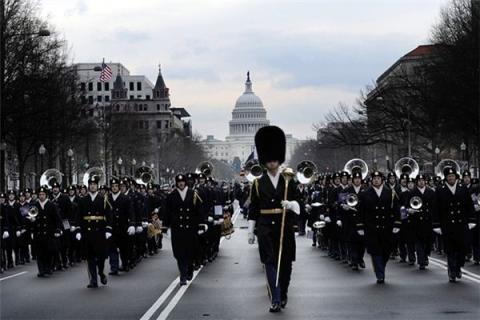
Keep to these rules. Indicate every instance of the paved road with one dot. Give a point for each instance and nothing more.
(233, 287)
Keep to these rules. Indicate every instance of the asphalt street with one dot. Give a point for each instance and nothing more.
(233, 287)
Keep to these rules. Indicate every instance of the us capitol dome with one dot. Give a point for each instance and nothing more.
(248, 116)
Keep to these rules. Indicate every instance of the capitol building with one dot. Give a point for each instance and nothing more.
(248, 116)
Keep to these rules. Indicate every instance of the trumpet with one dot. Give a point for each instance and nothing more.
(356, 165)
(254, 170)
(406, 165)
(32, 212)
(351, 200)
(50, 176)
(205, 167)
(416, 203)
(144, 175)
(306, 171)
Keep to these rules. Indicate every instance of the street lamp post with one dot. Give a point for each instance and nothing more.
(70, 158)
(41, 152)
(134, 163)
(387, 158)
(437, 152)
(119, 162)
(463, 147)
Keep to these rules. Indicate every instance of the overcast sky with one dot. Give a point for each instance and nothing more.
(304, 56)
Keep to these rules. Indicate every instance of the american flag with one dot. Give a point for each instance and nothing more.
(106, 73)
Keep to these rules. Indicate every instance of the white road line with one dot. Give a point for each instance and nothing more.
(173, 303)
(166, 294)
(445, 268)
(13, 275)
(444, 263)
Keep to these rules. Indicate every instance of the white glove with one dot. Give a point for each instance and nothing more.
(471, 225)
(251, 228)
(5, 235)
(72, 229)
(396, 230)
(139, 230)
(107, 235)
(339, 223)
(57, 234)
(322, 217)
(78, 236)
(200, 232)
(210, 219)
(32, 219)
(437, 230)
(411, 211)
(156, 210)
(23, 231)
(345, 206)
(477, 207)
(291, 205)
(220, 221)
(144, 224)
(361, 232)
(18, 233)
(328, 220)
(308, 207)
(131, 230)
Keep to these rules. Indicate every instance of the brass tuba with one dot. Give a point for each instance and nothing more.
(406, 165)
(50, 176)
(444, 164)
(416, 203)
(351, 200)
(144, 175)
(205, 167)
(32, 212)
(356, 165)
(306, 171)
(254, 170)
(94, 172)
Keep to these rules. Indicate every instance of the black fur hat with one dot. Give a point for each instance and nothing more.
(271, 143)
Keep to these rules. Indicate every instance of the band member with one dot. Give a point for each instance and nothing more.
(379, 222)
(455, 217)
(64, 210)
(349, 219)
(272, 210)
(4, 231)
(46, 228)
(74, 254)
(11, 210)
(420, 219)
(182, 216)
(123, 228)
(94, 223)
(152, 204)
(25, 236)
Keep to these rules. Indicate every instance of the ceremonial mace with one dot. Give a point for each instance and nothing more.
(288, 174)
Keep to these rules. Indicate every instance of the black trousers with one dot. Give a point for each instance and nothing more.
(379, 262)
(45, 256)
(185, 267)
(423, 251)
(356, 251)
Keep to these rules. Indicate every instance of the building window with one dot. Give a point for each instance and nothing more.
(135, 107)
(107, 98)
(159, 124)
(107, 86)
(83, 99)
(118, 107)
(90, 86)
(146, 124)
(99, 98)
(90, 99)
(99, 86)
(132, 86)
(132, 97)
(145, 107)
(147, 97)
(158, 107)
(139, 86)
(82, 86)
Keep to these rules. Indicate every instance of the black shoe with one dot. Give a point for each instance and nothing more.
(113, 273)
(362, 265)
(355, 267)
(403, 260)
(314, 244)
(421, 267)
(48, 273)
(284, 302)
(477, 262)
(275, 307)
(190, 276)
(41, 275)
(380, 281)
(451, 279)
(459, 275)
(411, 263)
(103, 278)
(183, 282)
(92, 285)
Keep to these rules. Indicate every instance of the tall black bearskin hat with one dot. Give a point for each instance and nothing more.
(271, 143)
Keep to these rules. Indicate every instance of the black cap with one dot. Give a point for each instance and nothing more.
(43, 189)
(376, 173)
(9, 192)
(114, 181)
(93, 179)
(180, 177)
(149, 186)
(357, 175)
(344, 174)
(270, 143)
(391, 174)
(449, 170)
(71, 188)
(28, 190)
(420, 176)
(404, 176)
(55, 184)
(466, 173)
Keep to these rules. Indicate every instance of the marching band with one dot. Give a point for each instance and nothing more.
(403, 213)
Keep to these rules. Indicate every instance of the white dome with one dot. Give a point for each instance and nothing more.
(249, 100)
